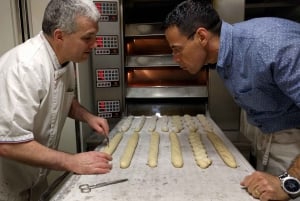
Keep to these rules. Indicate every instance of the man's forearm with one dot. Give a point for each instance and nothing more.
(78, 112)
(294, 169)
(35, 154)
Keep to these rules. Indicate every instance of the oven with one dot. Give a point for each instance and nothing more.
(154, 84)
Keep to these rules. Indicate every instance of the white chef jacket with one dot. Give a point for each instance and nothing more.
(36, 95)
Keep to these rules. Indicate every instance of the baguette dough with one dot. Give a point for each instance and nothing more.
(140, 124)
(190, 123)
(222, 150)
(114, 142)
(205, 123)
(152, 123)
(176, 155)
(126, 124)
(176, 124)
(199, 151)
(129, 150)
(164, 124)
(153, 149)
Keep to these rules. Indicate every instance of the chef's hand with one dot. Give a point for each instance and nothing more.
(99, 125)
(264, 186)
(92, 162)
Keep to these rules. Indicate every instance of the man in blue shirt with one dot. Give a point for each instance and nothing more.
(259, 62)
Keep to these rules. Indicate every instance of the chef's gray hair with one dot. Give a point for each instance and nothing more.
(61, 14)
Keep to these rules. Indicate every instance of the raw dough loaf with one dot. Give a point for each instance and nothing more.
(164, 124)
(222, 150)
(190, 123)
(199, 151)
(129, 150)
(153, 149)
(152, 123)
(126, 124)
(176, 124)
(176, 155)
(140, 124)
(205, 123)
(114, 142)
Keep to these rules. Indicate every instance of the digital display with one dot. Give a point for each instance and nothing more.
(109, 108)
(108, 11)
(107, 45)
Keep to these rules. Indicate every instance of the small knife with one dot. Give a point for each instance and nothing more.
(107, 140)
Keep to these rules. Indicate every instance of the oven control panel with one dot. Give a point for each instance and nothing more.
(107, 77)
(109, 108)
(106, 62)
(107, 45)
(108, 10)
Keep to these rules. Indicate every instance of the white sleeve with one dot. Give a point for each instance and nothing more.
(20, 99)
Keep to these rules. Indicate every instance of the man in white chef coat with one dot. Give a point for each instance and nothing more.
(37, 83)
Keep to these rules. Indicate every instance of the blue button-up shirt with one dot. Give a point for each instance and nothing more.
(259, 61)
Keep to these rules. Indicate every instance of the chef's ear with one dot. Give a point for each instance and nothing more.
(58, 34)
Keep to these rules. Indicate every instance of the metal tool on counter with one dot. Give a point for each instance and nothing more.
(86, 188)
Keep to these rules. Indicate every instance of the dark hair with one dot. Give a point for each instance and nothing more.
(192, 14)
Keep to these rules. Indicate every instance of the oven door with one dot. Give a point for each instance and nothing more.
(154, 83)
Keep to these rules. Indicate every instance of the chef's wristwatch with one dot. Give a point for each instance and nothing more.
(290, 185)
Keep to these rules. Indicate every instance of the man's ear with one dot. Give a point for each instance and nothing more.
(58, 34)
(202, 35)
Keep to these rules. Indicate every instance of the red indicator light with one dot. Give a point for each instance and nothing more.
(98, 5)
(100, 74)
(102, 104)
(99, 41)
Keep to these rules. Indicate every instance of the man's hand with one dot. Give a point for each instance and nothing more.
(35, 154)
(99, 125)
(264, 186)
(92, 162)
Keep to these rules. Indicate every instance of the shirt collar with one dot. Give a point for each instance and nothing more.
(225, 51)
(54, 59)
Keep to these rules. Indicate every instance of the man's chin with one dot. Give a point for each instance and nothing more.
(191, 71)
(83, 58)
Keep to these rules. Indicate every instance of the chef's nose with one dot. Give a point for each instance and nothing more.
(94, 44)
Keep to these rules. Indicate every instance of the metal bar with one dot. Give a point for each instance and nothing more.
(23, 17)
